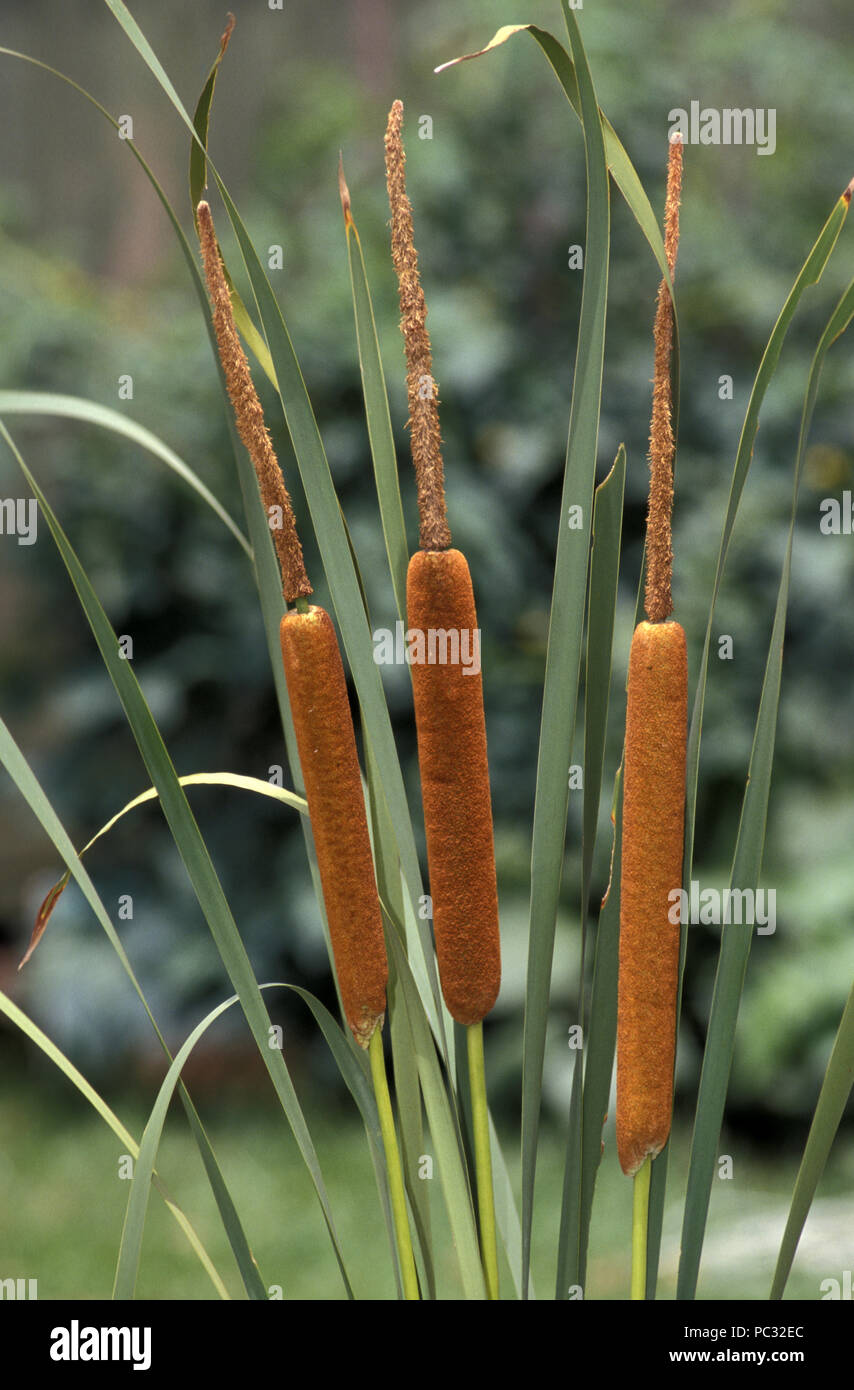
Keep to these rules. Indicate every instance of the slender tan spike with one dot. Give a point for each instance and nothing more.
(659, 555)
(317, 690)
(448, 715)
(425, 437)
(654, 789)
(448, 692)
(250, 418)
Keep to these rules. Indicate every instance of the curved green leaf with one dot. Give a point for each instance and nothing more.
(27, 783)
(620, 166)
(746, 867)
(833, 1097)
(443, 1128)
(584, 1146)
(195, 779)
(347, 598)
(809, 274)
(376, 410)
(191, 847)
(566, 622)
(201, 120)
(75, 408)
(35, 1034)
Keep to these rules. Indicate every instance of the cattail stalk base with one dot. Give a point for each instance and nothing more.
(640, 1229)
(482, 1159)
(397, 1191)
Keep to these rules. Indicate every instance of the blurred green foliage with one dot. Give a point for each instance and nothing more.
(498, 196)
(65, 1226)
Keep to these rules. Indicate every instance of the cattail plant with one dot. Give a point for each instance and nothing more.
(438, 599)
(449, 718)
(326, 743)
(653, 802)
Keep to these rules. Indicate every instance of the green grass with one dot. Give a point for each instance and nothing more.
(66, 1203)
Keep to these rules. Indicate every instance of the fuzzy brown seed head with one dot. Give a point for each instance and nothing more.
(455, 787)
(651, 869)
(659, 553)
(250, 418)
(422, 392)
(333, 786)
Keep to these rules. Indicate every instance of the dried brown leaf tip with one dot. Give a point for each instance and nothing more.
(44, 914)
(658, 599)
(250, 418)
(226, 33)
(422, 392)
(344, 192)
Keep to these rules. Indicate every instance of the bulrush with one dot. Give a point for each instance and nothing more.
(448, 697)
(449, 720)
(317, 690)
(326, 743)
(654, 786)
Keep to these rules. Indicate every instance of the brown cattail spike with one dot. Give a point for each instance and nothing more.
(659, 555)
(250, 418)
(651, 869)
(448, 696)
(425, 438)
(333, 787)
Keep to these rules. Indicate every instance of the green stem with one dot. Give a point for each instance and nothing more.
(482, 1159)
(640, 1219)
(395, 1172)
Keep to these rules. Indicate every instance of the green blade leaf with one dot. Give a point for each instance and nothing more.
(604, 576)
(833, 1097)
(191, 847)
(149, 57)
(129, 144)
(201, 121)
(194, 779)
(809, 274)
(134, 1225)
(347, 598)
(406, 1083)
(100, 1106)
(22, 775)
(619, 165)
(566, 620)
(602, 1039)
(746, 867)
(331, 535)
(130, 1247)
(377, 412)
(272, 604)
(354, 1066)
(443, 1127)
(584, 1145)
(74, 408)
(198, 183)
